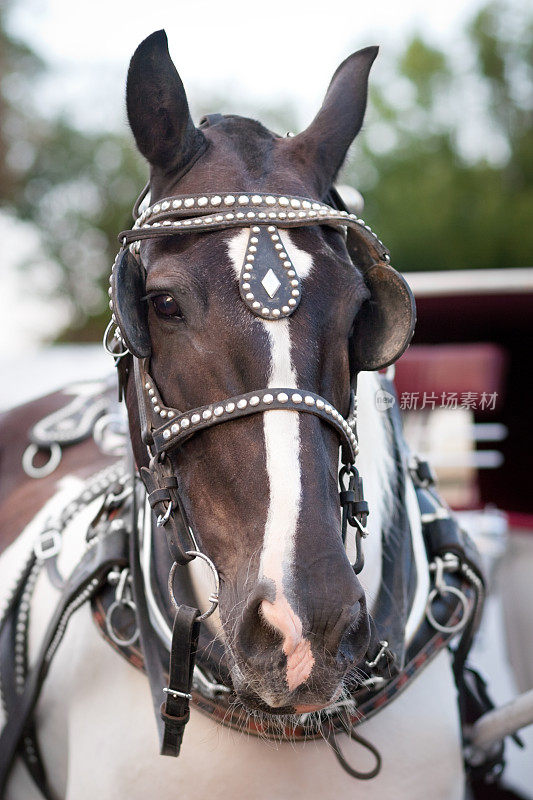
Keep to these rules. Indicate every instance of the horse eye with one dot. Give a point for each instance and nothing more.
(166, 306)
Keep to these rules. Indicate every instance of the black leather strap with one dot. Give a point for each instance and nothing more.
(84, 581)
(175, 710)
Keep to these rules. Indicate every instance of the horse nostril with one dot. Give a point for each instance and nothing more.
(353, 643)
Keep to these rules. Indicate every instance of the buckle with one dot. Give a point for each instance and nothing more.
(47, 545)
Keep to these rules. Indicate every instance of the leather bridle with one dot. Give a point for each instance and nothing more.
(164, 428)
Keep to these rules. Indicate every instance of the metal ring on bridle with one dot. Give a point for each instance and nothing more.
(46, 469)
(464, 609)
(213, 597)
(119, 640)
(162, 519)
(107, 344)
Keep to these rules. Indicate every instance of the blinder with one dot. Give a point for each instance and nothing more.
(385, 323)
(130, 310)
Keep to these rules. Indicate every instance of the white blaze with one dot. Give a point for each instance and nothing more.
(282, 431)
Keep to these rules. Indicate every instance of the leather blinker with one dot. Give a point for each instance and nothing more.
(129, 308)
(385, 324)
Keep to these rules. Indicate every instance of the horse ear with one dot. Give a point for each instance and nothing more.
(129, 306)
(385, 323)
(322, 147)
(158, 111)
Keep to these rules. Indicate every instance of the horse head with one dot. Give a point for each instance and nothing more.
(260, 491)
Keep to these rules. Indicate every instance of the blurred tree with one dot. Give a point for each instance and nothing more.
(445, 161)
(438, 201)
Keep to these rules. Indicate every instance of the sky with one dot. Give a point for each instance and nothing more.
(280, 51)
(260, 54)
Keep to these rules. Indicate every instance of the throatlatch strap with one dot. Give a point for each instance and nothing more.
(175, 710)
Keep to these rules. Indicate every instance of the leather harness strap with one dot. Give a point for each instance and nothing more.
(175, 709)
(85, 580)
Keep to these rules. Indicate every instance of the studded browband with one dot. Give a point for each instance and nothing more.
(269, 283)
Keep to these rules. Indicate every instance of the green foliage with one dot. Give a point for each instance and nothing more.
(437, 203)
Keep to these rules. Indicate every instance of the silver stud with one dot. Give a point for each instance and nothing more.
(276, 312)
(328, 409)
(271, 229)
(245, 286)
(218, 411)
(252, 249)
(189, 202)
(306, 204)
(257, 199)
(256, 229)
(278, 246)
(202, 201)
(170, 414)
(230, 216)
(243, 200)
(156, 208)
(256, 304)
(285, 309)
(242, 403)
(207, 414)
(265, 312)
(268, 399)
(163, 413)
(291, 215)
(216, 200)
(295, 203)
(282, 397)
(282, 215)
(218, 218)
(282, 255)
(296, 398)
(157, 409)
(165, 205)
(185, 422)
(287, 264)
(320, 404)
(292, 302)
(230, 407)
(195, 418)
(294, 282)
(246, 276)
(166, 434)
(249, 296)
(272, 214)
(240, 215)
(283, 201)
(295, 293)
(269, 200)
(146, 385)
(153, 399)
(302, 214)
(308, 400)
(250, 258)
(229, 200)
(250, 215)
(262, 215)
(274, 237)
(254, 240)
(291, 273)
(254, 400)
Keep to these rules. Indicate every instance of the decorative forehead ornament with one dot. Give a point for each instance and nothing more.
(268, 283)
